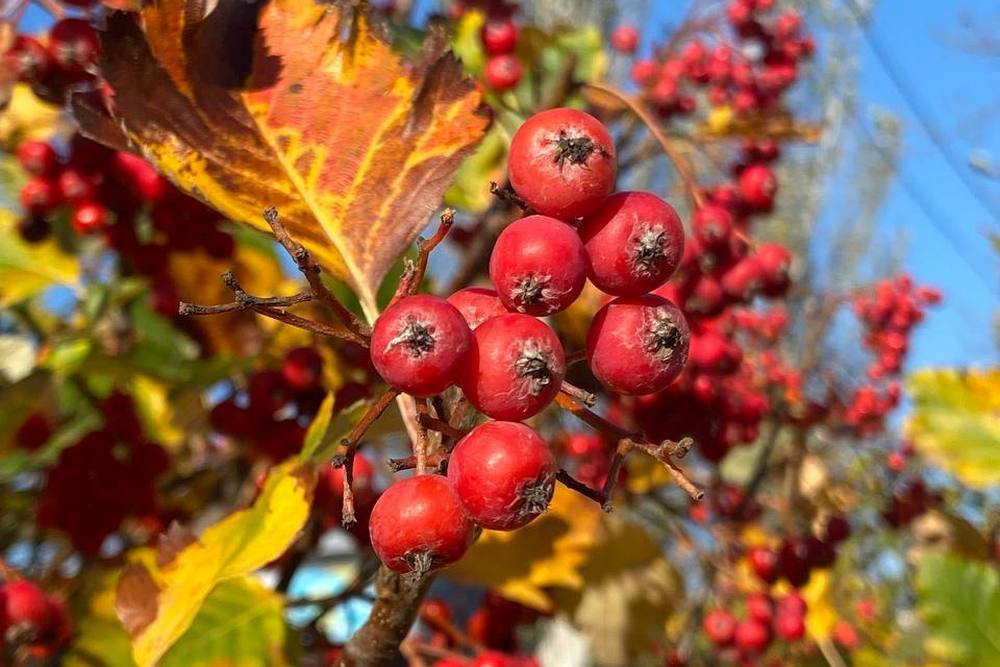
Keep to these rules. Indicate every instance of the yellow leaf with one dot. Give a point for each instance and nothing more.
(821, 615)
(956, 421)
(157, 606)
(156, 410)
(312, 113)
(26, 269)
(26, 117)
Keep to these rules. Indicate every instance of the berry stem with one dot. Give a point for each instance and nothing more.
(413, 275)
(578, 394)
(311, 270)
(574, 484)
(684, 169)
(447, 431)
(506, 193)
(420, 445)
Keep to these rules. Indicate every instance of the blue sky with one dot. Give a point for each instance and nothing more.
(959, 94)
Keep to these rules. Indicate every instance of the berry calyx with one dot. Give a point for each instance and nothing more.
(634, 241)
(420, 345)
(504, 474)
(539, 265)
(418, 525)
(516, 367)
(562, 163)
(638, 345)
(477, 304)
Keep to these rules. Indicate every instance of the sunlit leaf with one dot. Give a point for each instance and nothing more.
(352, 145)
(26, 117)
(956, 422)
(27, 269)
(158, 605)
(959, 601)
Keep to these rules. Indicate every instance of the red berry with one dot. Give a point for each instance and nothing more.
(74, 44)
(491, 659)
(896, 461)
(330, 487)
(758, 186)
(141, 177)
(562, 163)
(499, 36)
(477, 304)
(89, 217)
(516, 369)
(27, 606)
(504, 474)
(418, 525)
(793, 603)
(76, 186)
(634, 241)
(503, 72)
(743, 279)
(793, 560)
(789, 626)
(39, 196)
(759, 608)
(643, 72)
(420, 345)
(638, 345)
(38, 158)
(764, 563)
(751, 636)
(720, 627)
(774, 261)
(436, 613)
(539, 265)
(625, 39)
(845, 635)
(268, 392)
(303, 368)
(712, 225)
(837, 528)
(33, 432)
(28, 59)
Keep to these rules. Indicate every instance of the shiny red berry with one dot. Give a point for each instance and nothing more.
(775, 262)
(303, 368)
(764, 564)
(420, 345)
(38, 158)
(538, 265)
(499, 36)
(477, 304)
(638, 345)
(719, 626)
(634, 241)
(28, 59)
(418, 525)
(516, 368)
(74, 44)
(625, 39)
(759, 608)
(26, 608)
(89, 217)
(76, 185)
(758, 187)
(562, 163)
(503, 72)
(751, 636)
(504, 474)
(789, 626)
(39, 196)
(712, 225)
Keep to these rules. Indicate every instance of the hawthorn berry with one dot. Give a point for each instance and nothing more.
(74, 44)
(420, 345)
(302, 368)
(539, 265)
(504, 474)
(764, 564)
(28, 59)
(720, 627)
(638, 345)
(758, 187)
(33, 432)
(267, 391)
(625, 39)
(759, 608)
(634, 242)
(499, 36)
(140, 177)
(38, 158)
(837, 528)
(743, 280)
(789, 625)
(76, 186)
(27, 608)
(712, 225)
(418, 525)
(516, 367)
(477, 304)
(751, 636)
(503, 72)
(89, 217)
(643, 72)
(562, 163)
(39, 196)
(793, 561)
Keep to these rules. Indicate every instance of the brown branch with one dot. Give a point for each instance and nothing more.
(397, 599)
(578, 394)
(249, 303)
(421, 445)
(576, 357)
(433, 462)
(684, 170)
(413, 274)
(439, 425)
(311, 270)
(573, 483)
(506, 193)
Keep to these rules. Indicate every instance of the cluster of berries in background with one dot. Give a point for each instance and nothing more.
(62, 63)
(748, 74)
(34, 625)
(499, 39)
(509, 364)
(797, 556)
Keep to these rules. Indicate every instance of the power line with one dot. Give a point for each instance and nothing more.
(915, 102)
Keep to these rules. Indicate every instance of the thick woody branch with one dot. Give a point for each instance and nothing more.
(397, 599)
(311, 270)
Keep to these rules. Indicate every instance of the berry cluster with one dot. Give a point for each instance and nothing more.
(910, 499)
(34, 625)
(799, 555)
(888, 314)
(509, 364)
(492, 626)
(108, 475)
(107, 192)
(63, 63)
(748, 75)
(499, 38)
(743, 640)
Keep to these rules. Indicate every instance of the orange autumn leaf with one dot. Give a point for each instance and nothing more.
(298, 105)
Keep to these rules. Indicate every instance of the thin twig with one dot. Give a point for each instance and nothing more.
(311, 270)
(573, 483)
(506, 193)
(578, 394)
(439, 425)
(413, 273)
(421, 444)
(186, 308)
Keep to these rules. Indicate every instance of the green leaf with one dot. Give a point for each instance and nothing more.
(240, 623)
(487, 163)
(27, 269)
(959, 601)
(956, 422)
(324, 434)
(158, 604)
